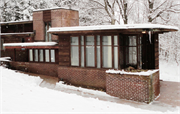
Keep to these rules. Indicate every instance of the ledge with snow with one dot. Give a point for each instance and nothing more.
(137, 86)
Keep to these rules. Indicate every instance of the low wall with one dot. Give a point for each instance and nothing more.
(133, 87)
(83, 76)
(38, 68)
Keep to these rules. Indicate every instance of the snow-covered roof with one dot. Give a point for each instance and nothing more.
(113, 27)
(147, 73)
(53, 9)
(16, 22)
(7, 59)
(31, 44)
(20, 33)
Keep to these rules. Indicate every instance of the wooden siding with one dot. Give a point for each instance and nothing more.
(64, 50)
(156, 45)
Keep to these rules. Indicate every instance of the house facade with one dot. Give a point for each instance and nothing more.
(54, 44)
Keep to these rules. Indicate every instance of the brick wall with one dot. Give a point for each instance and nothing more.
(83, 77)
(133, 87)
(38, 25)
(38, 68)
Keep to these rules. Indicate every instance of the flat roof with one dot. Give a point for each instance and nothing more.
(31, 44)
(16, 22)
(54, 9)
(151, 27)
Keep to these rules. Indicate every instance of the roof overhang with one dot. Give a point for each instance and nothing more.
(31, 45)
(15, 22)
(18, 34)
(128, 28)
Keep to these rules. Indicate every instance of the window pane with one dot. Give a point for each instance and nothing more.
(47, 55)
(132, 56)
(98, 39)
(98, 57)
(116, 57)
(90, 40)
(90, 61)
(107, 57)
(106, 40)
(82, 56)
(52, 55)
(132, 40)
(41, 55)
(50, 39)
(46, 38)
(74, 40)
(36, 54)
(82, 40)
(74, 56)
(115, 40)
(31, 55)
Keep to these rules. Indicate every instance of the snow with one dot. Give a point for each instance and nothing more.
(54, 8)
(31, 44)
(111, 27)
(21, 93)
(169, 71)
(4, 58)
(143, 73)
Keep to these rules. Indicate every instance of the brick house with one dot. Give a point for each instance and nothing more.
(54, 44)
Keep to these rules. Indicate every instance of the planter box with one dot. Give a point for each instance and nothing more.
(141, 87)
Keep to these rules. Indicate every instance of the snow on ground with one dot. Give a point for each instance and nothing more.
(21, 93)
(169, 71)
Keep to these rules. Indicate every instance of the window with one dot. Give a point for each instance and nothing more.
(47, 55)
(107, 51)
(95, 51)
(74, 51)
(42, 55)
(30, 55)
(52, 55)
(48, 37)
(130, 53)
(90, 55)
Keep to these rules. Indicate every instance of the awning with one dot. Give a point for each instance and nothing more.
(32, 45)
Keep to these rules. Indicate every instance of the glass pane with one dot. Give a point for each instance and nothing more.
(106, 40)
(46, 38)
(98, 39)
(74, 40)
(132, 59)
(47, 55)
(82, 40)
(50, 39)
(41, 55)
(82, 56)
(90, 60)
(115, 40)
(132, 40)
(90, 40)
(74, 56)
(31, 55)
(98, 57)
(116, 57)
(36, 54)
(52, 55)
(107, 57)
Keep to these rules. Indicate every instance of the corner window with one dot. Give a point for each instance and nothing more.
(48, 37)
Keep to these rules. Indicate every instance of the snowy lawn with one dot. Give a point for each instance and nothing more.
(21, 93)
